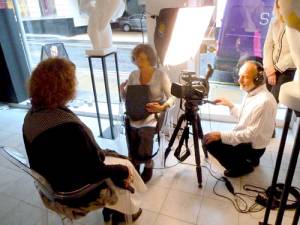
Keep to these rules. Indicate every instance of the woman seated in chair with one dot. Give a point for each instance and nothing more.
(141, 132)
(62, 148)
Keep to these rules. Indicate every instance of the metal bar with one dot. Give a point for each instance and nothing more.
(108, 97)
(297, 214)
(289, 178)
(118, 75)
(95, 95)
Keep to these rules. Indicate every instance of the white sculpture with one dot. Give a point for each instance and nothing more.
(99, 30)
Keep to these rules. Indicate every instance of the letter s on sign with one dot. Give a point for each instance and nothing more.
(264, 18)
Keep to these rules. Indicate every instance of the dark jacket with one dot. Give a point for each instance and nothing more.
(68, 157)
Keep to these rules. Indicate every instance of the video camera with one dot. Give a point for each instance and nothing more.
(195, 88)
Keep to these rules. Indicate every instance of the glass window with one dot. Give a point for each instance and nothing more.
(239, 28)
(64, 23)
(51, 30)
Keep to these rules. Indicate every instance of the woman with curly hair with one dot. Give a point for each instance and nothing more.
(141, 132)
(62, 148)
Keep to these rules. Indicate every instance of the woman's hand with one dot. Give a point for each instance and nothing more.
(122, 88)
(271, 75)
(272, 79)
(154, 107)
(129, 180)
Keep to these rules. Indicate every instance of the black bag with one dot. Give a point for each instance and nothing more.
(137, 96)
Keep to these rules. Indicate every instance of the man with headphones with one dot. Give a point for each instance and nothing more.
(239, 150)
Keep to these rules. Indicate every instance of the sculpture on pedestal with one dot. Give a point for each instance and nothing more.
(99, 30)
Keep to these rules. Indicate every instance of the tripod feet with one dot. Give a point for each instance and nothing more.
(199, 176)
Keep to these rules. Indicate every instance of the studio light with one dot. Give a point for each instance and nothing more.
(179, 33)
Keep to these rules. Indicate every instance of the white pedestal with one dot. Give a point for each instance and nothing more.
(289, 95)
(100, 52)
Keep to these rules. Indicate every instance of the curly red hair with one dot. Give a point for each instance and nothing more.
(52, 83)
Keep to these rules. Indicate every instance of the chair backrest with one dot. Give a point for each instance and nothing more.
(41, 183)
(20, 161)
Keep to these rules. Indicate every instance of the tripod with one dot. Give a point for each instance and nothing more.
(192, 119)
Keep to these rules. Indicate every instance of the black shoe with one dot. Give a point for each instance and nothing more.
(106, 212)
(147, 174)
(255, 162)
(118, 217)
(238, 173)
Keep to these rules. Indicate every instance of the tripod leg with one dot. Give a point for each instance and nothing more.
(196, 147)
(175, 132)
(200, 134)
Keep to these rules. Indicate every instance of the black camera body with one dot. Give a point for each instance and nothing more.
(192, 92)
(195, 88)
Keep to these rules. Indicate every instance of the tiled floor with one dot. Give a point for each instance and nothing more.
(173, 196)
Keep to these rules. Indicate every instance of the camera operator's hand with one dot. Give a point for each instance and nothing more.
(223, 101)
(154, 107)
(212, 136)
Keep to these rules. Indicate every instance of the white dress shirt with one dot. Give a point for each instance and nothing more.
(256, 120)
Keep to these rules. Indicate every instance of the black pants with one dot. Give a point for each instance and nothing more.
(140, 144)
(234, 157)
(281, 78)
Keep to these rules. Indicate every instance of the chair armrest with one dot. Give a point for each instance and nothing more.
(76, 194)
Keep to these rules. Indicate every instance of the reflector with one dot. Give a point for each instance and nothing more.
(179, 33)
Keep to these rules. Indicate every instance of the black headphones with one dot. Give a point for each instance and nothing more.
(259, 78)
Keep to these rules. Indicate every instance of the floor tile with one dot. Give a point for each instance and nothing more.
(23, 214)
(165, 220)
(154, 198)
(147, 217)
(182, 206)
(212, 213)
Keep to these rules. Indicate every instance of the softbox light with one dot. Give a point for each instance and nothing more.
(179, 33)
